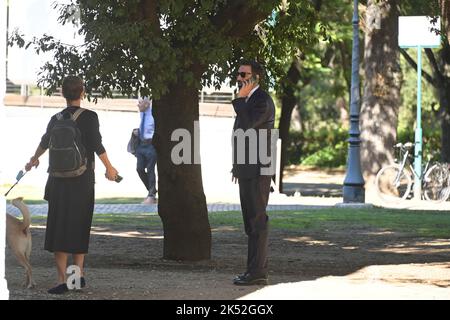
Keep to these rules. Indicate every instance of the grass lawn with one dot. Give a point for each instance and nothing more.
(434, 224)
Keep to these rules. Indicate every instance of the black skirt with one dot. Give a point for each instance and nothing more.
(70, 210)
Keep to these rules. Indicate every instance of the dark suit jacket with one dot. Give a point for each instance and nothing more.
(257, 113)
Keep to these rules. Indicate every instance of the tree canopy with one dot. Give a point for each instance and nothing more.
(141, 46)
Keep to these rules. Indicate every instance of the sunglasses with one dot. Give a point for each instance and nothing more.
(242, 74)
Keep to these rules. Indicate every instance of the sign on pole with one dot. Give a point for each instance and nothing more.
(419, 32)
(415, 31)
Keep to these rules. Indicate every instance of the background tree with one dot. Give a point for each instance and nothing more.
(382, 84)
(313, 61)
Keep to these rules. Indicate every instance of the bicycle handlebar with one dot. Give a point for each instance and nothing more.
(407, 145)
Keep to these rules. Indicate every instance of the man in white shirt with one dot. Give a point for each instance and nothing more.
(145, 151)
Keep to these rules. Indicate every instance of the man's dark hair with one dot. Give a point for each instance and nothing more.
(257, 68)
(72, 87)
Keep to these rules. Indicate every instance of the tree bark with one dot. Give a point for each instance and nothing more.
(381, 99)
(443, 72)
(288, 102)
(444, 116)
(182, 202)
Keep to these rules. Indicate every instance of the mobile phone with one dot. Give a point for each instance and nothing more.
(118, 179)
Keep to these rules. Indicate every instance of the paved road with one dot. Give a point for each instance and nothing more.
(41, 209)
(24, 127)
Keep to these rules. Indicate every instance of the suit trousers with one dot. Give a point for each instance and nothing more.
(254, 196)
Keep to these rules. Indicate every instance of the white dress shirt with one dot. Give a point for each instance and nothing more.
(251, 92)
(149, 122)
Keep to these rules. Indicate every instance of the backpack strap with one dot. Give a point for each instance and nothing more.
(77, 114)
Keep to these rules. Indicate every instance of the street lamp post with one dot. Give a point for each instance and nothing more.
(353, 190)
(4, 294)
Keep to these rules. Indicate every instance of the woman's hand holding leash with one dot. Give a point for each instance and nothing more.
(34, 162)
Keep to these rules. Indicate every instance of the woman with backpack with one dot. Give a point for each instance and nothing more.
(72, 138)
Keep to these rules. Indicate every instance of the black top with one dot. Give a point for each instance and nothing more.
(257, 113)
(88, 125)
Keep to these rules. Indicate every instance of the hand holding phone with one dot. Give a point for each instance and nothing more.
(247, 85)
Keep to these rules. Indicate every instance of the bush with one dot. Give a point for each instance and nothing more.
(325, 147)
(328, 157)
(431, 140)
(328, 147)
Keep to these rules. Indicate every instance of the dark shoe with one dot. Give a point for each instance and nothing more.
(250, 280)
(238, 277)
(59, 289)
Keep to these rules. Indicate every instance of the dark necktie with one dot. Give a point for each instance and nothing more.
(141, 129)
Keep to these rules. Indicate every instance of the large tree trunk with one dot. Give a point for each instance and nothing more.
(441, 74)
(444, 116)
(182, 202)
(288, 102)
(383, 78)
(444, 83)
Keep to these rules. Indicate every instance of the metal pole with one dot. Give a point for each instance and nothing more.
(4, 294)
(353, 190)
(418, 133)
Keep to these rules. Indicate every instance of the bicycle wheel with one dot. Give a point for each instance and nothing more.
(436, 183)
(393, 184)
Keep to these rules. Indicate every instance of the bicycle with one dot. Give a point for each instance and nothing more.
(395, 182)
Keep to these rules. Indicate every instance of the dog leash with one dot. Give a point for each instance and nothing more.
(18, 177)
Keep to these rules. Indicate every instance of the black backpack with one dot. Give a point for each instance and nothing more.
(67, 154)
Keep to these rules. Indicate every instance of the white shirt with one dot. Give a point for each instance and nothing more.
(251, 92)
(149, 122)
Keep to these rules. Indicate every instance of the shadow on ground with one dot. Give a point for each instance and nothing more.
(125, 262)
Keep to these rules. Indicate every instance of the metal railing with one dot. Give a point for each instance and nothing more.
(12, 88)
(216, 97)
(28, 90)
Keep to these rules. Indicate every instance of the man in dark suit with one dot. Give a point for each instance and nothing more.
(255, 118)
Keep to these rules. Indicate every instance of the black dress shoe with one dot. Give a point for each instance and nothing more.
(82, 282)
(238, 277)
(59, 289)
(250, 280)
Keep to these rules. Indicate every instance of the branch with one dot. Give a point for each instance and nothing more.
(149, 12)
(434, 63)
(239, 17)
(317, 4)
(346, 63)
(413, 64)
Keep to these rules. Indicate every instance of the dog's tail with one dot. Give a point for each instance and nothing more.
(18, 203)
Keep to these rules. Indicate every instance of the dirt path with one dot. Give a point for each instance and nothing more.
(125, 263)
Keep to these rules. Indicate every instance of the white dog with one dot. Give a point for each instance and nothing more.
(18, 236)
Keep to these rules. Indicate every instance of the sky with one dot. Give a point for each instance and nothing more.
(34, 18)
